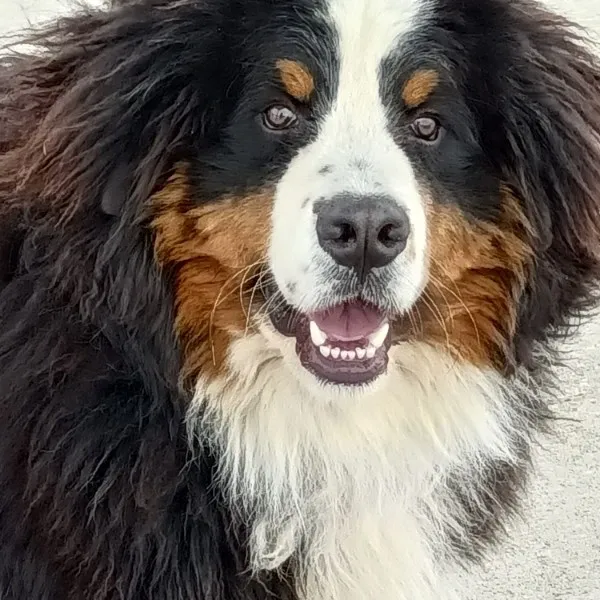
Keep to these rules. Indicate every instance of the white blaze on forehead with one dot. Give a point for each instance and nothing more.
(368, 32)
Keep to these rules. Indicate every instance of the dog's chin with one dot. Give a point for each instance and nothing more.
(345, 345)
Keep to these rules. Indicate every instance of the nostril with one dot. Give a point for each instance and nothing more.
(347, 234)
(389, 235)
(392, 235)
(337, 232)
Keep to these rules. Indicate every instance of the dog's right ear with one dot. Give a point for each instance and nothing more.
(117, 190)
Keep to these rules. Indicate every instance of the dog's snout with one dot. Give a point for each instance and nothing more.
(362, 232)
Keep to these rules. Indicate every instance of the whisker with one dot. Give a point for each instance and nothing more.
(216, 304)
(437, 314)
(250, 306)
(459, 298)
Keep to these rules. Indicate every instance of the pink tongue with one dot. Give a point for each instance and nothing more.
(348, 322)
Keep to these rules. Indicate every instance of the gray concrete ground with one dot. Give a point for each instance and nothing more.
(554, 553)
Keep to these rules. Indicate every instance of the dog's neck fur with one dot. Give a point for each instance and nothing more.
(354, 492)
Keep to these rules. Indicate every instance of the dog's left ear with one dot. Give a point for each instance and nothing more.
(550, 140)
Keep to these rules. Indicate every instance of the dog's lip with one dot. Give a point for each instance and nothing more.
(344, 344)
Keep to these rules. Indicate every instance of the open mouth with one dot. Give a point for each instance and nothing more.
(346, 344)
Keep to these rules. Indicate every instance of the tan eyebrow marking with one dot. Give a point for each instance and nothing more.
(296, 78)
(419, 87)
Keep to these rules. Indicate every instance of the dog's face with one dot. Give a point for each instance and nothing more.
(388, 194)
(353, 198)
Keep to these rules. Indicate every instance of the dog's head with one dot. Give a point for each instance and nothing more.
(337, 177)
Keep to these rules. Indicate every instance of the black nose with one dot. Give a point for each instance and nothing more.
(362, 232)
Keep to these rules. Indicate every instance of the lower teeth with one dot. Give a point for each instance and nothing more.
(375, 341)
(348, 355)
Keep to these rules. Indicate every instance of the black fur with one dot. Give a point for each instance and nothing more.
(99, 495)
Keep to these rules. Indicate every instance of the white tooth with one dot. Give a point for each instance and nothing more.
(379, 336)
(351, 355)
(325, 351)
(335, 352)
(317, 336)
(345, 354)
(371, 351)
(361, 353)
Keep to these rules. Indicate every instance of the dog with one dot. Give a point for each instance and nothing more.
(282, 285)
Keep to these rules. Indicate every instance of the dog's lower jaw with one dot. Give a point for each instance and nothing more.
(358, 497)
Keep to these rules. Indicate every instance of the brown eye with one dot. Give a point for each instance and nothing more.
(426, 129)
(279, 117)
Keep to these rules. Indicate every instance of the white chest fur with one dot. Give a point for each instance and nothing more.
(353, 490)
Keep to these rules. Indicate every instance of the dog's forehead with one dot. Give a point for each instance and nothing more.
(369, 33)
(376, 24)
(369, 30)
(349, 33)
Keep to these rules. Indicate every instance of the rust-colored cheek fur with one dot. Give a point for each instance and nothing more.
(214, 252)
(477, 272)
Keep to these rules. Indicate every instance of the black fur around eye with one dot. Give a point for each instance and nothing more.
(427, 129)
(279, 117)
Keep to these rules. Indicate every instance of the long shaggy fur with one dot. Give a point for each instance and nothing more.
(102, 496)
